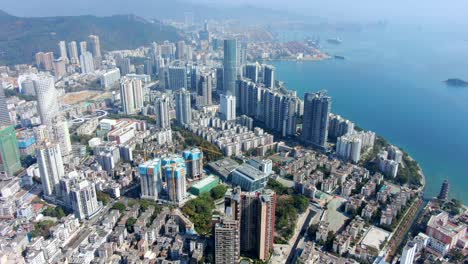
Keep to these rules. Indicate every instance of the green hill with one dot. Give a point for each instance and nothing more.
(21, 38)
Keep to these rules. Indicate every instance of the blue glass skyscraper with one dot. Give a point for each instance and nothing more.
(230, 66)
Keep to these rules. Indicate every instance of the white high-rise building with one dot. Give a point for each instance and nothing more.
(83, 199)
(349, 147)
(61, 134)
(63, 51)
(131, 94)
(161, 106)
(228, 107)
(86, 62)
(83, 47)
(73, 52)
(407, 256)
(110, 78)
(46, 94)
(183, 107)
(49, 159)
(95, 46)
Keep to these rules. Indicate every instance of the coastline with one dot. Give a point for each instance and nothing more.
(321, 57)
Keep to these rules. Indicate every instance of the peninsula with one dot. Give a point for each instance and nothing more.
(455, 82)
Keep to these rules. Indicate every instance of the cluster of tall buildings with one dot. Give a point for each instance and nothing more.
(168, 175)
(70, 189)
(88, 57)
(247, 228)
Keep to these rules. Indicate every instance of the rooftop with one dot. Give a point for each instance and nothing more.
(250, 172)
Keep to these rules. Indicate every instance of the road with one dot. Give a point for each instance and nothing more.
(301, 230)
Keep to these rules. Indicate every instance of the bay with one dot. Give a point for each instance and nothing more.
(391, 82)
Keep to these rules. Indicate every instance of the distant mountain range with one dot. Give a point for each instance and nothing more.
(159, 9)
(22, 37)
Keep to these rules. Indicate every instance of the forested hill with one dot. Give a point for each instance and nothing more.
(21, 37)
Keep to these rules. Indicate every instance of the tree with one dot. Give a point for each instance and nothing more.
(279, 188)
(455, 255)
(218, 192)
(200, 210)
(102, 197)
(56, 212)
(129, 224)
(42, 228)
(119, 206)
(300, 202)
(144, 205)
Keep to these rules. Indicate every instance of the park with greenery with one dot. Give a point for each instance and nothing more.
(286, 215)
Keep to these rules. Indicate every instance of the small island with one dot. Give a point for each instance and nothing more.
(455, 82)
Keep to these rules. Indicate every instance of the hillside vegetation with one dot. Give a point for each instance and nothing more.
(21, 38)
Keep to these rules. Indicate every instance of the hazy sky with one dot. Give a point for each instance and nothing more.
(408, 10)
(445, 12)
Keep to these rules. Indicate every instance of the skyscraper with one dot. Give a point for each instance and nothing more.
(86, 62)
(228, 107)
(83, 47)
(131, 92)
(277, 110)
(73, 52)
(194, 163)
(161, 106)
(317, 108)
(339, 126)
(267, 200)
(219, 80)
(258, 223)
(227, 241)
(60, 69)
(175, 173)
(45, 60)
(205, 88)
(230, 65)
(83, 199)
(183, 107)
(51, 170)
(46, 94)
(150, 179)
(174, 77)
(4, 113)
(269, 76)
(9, 152)
(63, 51)
(250, 96)
(194, 78)
(180, 50)
(61, 134)
(349, 147)
(251, 72)
(124, 65)
(95, 46)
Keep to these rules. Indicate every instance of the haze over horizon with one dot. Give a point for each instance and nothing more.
(432, 12)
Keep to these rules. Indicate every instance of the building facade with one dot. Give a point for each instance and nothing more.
(317, 108)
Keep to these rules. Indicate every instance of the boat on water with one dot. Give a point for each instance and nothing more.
(334, 40)
(338, 57)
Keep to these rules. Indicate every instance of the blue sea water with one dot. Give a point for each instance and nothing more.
(391, 82)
